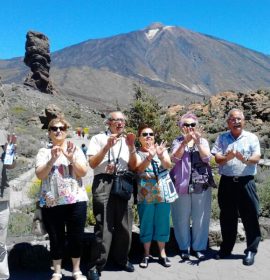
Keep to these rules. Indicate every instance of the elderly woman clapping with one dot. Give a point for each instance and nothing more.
(63, 198)
(192, 176)
(154, 194)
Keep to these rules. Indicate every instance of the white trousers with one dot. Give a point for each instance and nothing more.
(194, 210)
(4, 217)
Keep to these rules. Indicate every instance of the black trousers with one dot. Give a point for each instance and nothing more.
(113, 229)
(69, 218)
(237, 196)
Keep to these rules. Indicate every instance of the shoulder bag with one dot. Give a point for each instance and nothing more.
(123, 181)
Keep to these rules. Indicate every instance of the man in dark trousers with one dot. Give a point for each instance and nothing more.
(237, 153)
(108, 152)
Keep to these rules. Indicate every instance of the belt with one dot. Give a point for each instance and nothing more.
(238, 178)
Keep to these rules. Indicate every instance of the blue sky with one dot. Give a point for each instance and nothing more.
(68, 22)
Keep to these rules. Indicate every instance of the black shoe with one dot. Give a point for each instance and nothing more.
(249, 258)
(128, 267)
(185, 256)
(93, 274)
(144, 262)
(199, 255)
(165, 261)
(221, 255)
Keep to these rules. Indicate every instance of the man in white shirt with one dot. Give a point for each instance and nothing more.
(109, 152)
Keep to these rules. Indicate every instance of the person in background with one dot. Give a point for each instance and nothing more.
(189, 151)
(84, 149)
(154, 211)
(109, 152)
(237, 153)
(5, 139)
(63, 199)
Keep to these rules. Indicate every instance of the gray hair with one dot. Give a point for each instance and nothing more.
(235, 110)
(109, 116)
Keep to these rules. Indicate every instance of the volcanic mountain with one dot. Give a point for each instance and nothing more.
(175, 64)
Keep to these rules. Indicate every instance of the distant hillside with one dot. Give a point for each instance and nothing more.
(173, 63)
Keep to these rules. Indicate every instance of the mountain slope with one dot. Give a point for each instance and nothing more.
(174, 63)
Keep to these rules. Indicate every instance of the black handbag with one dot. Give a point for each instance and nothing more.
(123, 184)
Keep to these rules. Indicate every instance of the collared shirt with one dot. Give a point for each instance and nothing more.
(247, 144)
(97, 143)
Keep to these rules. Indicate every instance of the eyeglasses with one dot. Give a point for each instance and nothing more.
(235, 120)
(144, 134)
(55, 128)
(189, 124)
(117, 120)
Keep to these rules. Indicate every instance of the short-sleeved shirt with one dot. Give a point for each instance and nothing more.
(61, 186)
(247, 144)
(119, 150)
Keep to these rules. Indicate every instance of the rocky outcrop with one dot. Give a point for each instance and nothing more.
(37, 57)
(212, 113)
(51, 112)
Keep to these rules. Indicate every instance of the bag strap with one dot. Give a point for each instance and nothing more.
(155, 168)
(116, 161)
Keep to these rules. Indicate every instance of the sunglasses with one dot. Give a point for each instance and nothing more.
(55, 128)
(144, 134)
(189, 124)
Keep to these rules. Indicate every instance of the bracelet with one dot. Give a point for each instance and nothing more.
(72, 162)
(49, 164)
(132, 152)
(147, 158)
(185, 143)
(177, 158)
(246, 159)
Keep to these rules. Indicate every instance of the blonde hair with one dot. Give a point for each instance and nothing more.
(58, 120)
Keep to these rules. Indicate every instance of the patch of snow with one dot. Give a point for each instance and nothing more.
(151, 33)
(168, 27)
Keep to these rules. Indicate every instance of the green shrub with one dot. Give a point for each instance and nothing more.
(20, 221)
(34, 189)
(263, 190)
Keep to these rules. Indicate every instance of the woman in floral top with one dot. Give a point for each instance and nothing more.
(63, 198)
(154, 211)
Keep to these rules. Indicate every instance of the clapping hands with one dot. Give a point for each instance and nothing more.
(69, 152)
(192, 133)
(157, 149)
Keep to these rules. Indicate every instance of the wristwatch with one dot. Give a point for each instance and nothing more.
(246, 158)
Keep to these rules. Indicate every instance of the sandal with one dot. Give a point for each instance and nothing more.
(78, 275)
(144, 262)
(56, 276)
